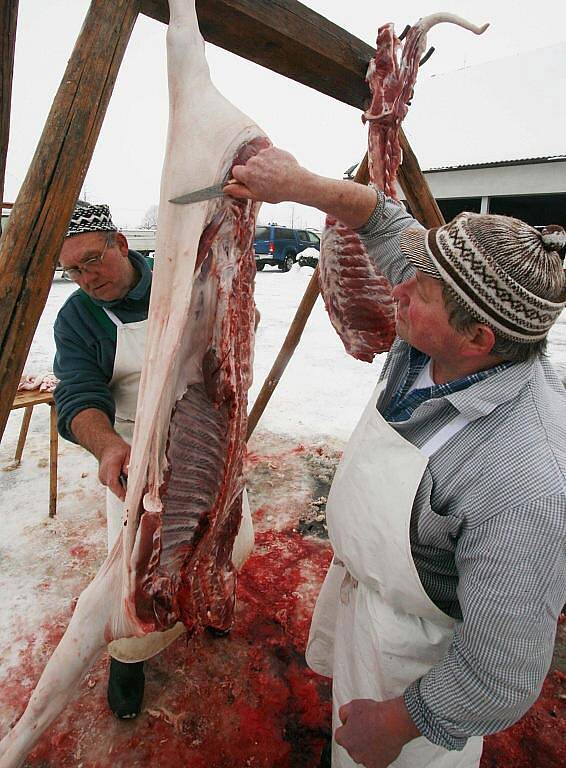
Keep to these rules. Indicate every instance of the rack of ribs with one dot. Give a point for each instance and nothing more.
(356, 294)
(173, 561)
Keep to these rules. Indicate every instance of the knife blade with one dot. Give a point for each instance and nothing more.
(199, 195)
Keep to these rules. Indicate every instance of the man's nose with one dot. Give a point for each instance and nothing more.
(401, 290)
(86, 278)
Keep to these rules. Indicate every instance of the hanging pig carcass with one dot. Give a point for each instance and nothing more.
(356, 294)
(173, 562)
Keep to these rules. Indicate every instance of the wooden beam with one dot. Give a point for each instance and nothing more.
(286, 37)
(8, 24)
(37, 224)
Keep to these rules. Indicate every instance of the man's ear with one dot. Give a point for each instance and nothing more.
(480, 340)
(122, 243)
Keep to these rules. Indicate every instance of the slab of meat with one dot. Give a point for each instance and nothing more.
(356, 295)
(183, 504)
(44, 382)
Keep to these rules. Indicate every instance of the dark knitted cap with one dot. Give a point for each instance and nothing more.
(507, 274)
(90, 218)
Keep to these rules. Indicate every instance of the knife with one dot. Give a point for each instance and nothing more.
(199, 195)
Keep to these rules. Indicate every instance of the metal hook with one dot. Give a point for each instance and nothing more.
(404, 32)
(427, 55)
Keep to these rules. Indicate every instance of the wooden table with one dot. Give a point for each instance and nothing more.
(28, 399)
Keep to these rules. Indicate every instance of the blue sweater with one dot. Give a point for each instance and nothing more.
(85, 339)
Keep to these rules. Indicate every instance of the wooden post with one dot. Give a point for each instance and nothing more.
(8, 24)
(53, 450)
(28, 412)
(417, 192)
(38, 222)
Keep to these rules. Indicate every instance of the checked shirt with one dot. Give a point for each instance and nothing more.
(488, 521)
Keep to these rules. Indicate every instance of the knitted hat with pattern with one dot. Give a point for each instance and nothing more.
(90, 218)
(507, 274)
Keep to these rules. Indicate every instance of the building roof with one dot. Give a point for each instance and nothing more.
(499, 163)
(509, 110)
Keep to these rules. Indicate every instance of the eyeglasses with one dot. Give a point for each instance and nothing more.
(88, 265)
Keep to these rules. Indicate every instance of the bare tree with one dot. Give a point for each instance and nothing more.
(149, 220)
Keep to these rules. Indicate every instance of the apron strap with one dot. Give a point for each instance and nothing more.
(443, 435)
(113, 317)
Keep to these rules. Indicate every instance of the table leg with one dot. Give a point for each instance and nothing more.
(23, 433)
(53, 447)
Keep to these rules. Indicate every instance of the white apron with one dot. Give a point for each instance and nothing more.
(124, 385)
(374, 628)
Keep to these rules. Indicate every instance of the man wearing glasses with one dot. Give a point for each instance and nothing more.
(100, 335)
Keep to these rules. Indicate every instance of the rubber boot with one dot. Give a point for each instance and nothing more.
(125, 688)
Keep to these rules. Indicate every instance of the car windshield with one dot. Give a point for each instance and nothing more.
(262, 233)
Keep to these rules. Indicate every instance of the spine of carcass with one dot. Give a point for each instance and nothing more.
(357, 297)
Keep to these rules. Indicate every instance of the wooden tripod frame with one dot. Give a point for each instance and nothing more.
(282, 35)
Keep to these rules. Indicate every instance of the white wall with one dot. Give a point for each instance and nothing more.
(530, 179)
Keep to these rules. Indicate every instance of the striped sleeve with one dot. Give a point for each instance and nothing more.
(380, 235)
(510, 597)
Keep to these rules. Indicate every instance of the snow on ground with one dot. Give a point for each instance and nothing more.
(323, 390)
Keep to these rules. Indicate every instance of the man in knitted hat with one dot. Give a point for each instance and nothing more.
(447, 513)
(100, 335)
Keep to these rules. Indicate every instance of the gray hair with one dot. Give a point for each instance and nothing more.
(507, 349)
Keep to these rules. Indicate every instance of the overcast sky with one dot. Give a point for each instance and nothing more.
(324, 135)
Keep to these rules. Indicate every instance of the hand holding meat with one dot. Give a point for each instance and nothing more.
(272, 176)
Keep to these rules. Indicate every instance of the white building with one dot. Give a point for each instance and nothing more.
(532, 189)
(492, 137)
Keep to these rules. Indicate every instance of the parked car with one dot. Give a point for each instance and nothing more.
(280, 246)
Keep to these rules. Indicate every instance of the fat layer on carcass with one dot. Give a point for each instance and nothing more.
(183, 503)
(356, 294)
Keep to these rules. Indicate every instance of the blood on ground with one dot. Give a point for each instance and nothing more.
(246, 699)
